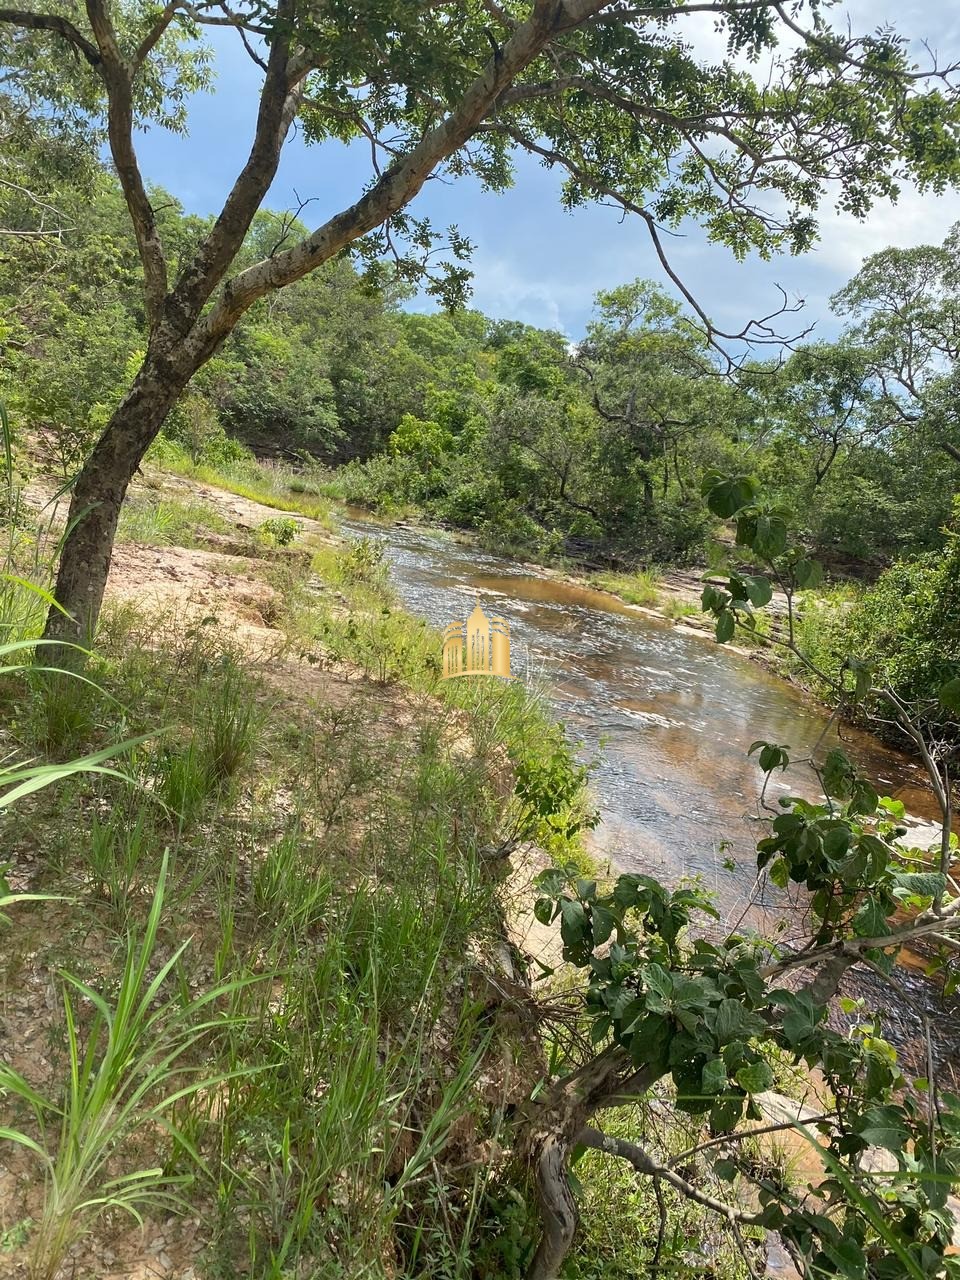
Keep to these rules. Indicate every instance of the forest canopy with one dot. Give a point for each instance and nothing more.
(593, 445)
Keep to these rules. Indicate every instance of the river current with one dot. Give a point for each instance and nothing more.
(665, 716)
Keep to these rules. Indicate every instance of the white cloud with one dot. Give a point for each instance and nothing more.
(916, 218)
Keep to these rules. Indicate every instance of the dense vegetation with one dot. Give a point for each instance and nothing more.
(593, 447)
(592, 451)
(258, 910)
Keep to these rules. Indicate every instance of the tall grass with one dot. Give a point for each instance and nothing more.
(641, 587)
(167, 522)
(127, 1073)
(342, 1104)
(275, 485)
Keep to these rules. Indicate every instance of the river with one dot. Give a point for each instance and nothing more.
(665, 715)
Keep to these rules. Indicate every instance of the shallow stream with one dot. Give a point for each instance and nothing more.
(667, 715)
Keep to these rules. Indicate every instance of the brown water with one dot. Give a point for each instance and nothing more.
(667, 716)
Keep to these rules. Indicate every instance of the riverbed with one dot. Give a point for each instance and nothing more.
(665, 716)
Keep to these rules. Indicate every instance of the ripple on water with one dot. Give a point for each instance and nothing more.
(674, 712)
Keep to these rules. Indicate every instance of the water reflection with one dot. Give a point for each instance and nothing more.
(669, 716)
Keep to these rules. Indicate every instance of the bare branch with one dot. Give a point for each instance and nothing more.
(635, 1155)
(841, 51)
(757, 332)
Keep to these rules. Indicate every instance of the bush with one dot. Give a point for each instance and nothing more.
(909, 623)
(278, 531)
(906, 626)
(192, 434)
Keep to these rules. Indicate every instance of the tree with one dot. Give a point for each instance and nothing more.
(823, 399)
(905, 307)
(712, 1015)
(652, 384)
(609, 91)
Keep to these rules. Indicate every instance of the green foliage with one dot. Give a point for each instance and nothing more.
(906, 628)
(901, 634)
(710, 1016)
(278, 531)
(550, 788)
(641, 587)
(424, 441)
(281, 488)
(339, 862)
(126, 1077)
(163, 522)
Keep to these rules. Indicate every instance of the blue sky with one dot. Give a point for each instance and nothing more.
(533, 261)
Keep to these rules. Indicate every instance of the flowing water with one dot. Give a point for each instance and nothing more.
(666, 714)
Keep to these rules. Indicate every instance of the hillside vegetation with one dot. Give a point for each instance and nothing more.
(306, 969)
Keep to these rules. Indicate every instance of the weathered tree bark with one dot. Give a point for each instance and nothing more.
(184, 331)
(608, 1080)
(98, 493)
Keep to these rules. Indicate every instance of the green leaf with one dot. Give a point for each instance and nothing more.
(808, 574)
(726, 1112)
(603, 922)
(779, 873)
(924, 884)
(838, 774)
(870, 920)
(726, 497)
(714, 1076)
(551, 881)
(773, 756)
(884, 1127)
(759, 590)
(895, 808)
(836, 841)
(864, 799)
(713, 599)
(573, 923)
(726, 624)
(650, 1042)
(732, 1021)
(657, 979)
(755, 1078)
(543, 910)
(770, 536)
(601, 1028)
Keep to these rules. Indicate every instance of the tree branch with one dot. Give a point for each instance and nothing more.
(119, 86)
(53, 22)
(279, 102)
(755, 332)
(635, 1155)
(403, 179)
(155, 34)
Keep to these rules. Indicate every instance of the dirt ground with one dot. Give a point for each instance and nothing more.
(227, 588)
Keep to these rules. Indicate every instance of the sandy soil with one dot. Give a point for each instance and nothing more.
(188, 586)
(225, 585)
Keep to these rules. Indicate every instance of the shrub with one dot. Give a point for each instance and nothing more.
(906, 627)
(278, 531)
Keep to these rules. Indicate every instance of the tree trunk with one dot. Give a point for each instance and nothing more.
(97, 497)
(558, 1116)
